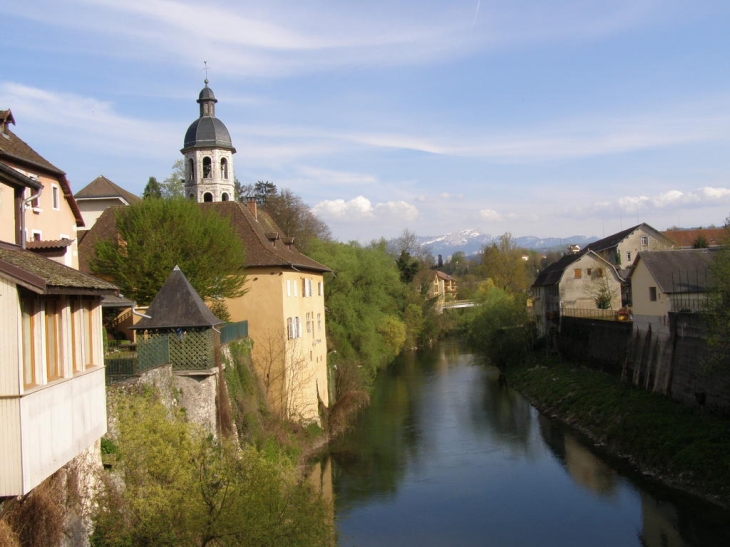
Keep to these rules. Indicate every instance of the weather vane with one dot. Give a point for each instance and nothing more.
(205, 63)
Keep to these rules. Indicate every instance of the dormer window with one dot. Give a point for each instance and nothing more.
(224, 168)
(207, 168)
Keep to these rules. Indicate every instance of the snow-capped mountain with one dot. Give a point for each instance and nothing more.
(472, 241)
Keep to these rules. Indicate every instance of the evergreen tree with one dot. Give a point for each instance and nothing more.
(153, 190)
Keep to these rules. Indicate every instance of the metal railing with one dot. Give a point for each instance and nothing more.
(234, 331)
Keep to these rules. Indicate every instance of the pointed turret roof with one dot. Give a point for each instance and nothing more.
(177, 305)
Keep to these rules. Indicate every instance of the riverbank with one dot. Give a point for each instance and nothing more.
(683, 447)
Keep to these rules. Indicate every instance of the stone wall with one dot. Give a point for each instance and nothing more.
(601, 345)
(678, 365)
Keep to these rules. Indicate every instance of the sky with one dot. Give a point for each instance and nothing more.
(549, 119)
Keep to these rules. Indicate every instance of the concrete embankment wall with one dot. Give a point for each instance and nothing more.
(679, 364)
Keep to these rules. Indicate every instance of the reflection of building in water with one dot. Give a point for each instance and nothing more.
(586, 469)
(661, 524)
(320, 477)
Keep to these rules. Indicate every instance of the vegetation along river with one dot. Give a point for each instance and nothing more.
(447, 456)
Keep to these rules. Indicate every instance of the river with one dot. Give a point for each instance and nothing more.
(447, 456)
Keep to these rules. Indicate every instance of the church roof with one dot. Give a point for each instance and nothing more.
(102, 187)
(207, 131)
(177, 305)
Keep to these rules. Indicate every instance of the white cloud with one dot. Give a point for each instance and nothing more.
(361, 209)
(491, 215)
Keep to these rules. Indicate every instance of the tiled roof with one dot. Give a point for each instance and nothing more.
(679, 270)
(552, 274)
(611, 241)
(686, 238)
(14, 150)
(102, 187)
(14, 177)
(48, 244)
(264, 242)
(444, 276)
(259, 236)
(45, 276)
(177, 305)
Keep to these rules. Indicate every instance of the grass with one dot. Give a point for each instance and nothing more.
(684, 446)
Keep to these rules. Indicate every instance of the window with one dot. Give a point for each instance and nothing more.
(294, 327)
(28, 310)
(53, 335)
(309, 321)
(320, 288)
(577, 273)
(207, 168)
(224, 168)
(87, 331)
(306, 287)
(644, 241)
(652, 294)
(224, 196)
(588, 271)
(599, 272)
(295, 288)
(76, 361)
(190, 171)
(319, 321)
(288, 287)
(208, 197)
(56, 198)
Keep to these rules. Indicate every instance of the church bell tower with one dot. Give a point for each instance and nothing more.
(208, 153)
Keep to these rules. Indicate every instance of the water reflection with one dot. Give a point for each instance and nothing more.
(447, 455)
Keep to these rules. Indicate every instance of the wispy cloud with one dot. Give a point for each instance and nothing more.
(88, 123)
(276, 38)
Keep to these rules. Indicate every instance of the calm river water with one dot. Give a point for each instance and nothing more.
(446, 456)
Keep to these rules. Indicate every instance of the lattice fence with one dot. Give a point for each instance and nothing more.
(153, 351)
(192, 349)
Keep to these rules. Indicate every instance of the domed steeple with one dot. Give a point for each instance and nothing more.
(208, 152)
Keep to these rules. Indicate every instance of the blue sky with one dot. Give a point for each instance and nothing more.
(559, 118)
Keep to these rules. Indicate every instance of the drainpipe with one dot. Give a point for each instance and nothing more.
(23, 206)
(139, 313)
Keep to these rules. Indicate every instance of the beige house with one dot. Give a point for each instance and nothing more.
(668, 281)
(100, 194)
(622, 248)
(443, 287)
(50, 216)
(578, 284)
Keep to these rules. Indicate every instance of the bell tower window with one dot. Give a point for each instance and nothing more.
(191, 171)
(208, 197)
(224, 168)
(225, 197)
(207, 168)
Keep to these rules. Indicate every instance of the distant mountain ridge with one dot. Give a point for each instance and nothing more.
(472, 241)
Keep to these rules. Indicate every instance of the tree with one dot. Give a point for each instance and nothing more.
(700, 242)
(174, 185)
(503, 264)
(153, 236)
(292, 216)
(153, 190)
(184, 488)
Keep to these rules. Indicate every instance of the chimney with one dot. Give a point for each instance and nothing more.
(6, 117)
(251, 204)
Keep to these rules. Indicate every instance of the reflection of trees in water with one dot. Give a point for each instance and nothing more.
(371, 458)
(501, 411)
